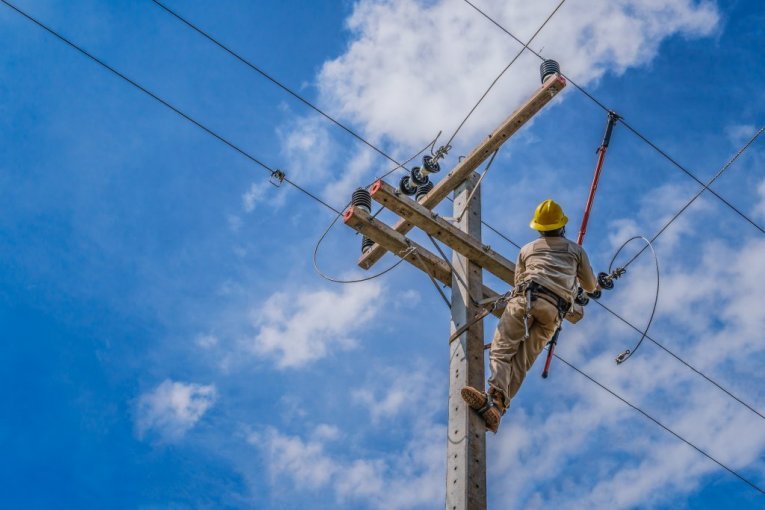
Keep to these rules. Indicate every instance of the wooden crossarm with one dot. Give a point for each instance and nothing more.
(429, 222)
(464, 168)
(360, 220)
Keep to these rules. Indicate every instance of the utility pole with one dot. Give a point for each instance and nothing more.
(466, 446)
(466, 437)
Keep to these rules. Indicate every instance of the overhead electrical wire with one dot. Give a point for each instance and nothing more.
(278, 174)
(399, 165)
(698, 194)
(657, 422)
(272, 171)
(516, 57)
(666, 428)
(681, 360)
(275, 81)
(623, 122)
(308, 103)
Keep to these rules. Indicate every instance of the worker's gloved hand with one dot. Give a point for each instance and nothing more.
(595, 295)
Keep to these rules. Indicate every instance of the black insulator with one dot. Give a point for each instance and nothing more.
(430, 165)
(423, 190)
(548, 68)
(418, 176)
(366, 244)
(406, 186)
(581, 297)
(362, 198)
(605, 281)
(595, 295)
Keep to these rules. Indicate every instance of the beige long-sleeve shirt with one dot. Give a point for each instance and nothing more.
(555, 263)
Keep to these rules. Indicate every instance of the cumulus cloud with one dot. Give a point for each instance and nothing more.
(173, 408)
(408, 477)
(413, 67)
(296, 328)
(254, 196)
(759, 208)
(390, 393)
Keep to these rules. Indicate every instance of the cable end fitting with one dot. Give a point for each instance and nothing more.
(622, 357)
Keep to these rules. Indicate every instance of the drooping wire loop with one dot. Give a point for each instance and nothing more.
(613, 274)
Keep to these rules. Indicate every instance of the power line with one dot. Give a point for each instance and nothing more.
(697, 195)
(623, 121)
(681, 360)
(305, 101)
(660, 424)
(451, 139)
(275, 81)
(645, 334)
(275, 173)
(280, 176)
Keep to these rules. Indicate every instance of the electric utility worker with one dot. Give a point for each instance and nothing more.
(546, 277)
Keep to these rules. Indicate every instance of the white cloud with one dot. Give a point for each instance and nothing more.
(413, 68)
(709, 316)
(254, 195)
(207, 341)
(738, 134)
(408, 477)
(308, 148)
(173, 408)
(390, 391)
(759, 208)
(300, 327)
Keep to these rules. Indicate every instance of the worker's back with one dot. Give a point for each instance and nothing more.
(555, 263)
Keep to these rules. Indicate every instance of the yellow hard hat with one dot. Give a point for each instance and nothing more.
(548, 216)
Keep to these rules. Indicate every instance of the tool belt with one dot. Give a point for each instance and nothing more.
(536, 289)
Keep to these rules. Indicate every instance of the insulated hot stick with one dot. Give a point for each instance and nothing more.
(581, 298)
(612, 118)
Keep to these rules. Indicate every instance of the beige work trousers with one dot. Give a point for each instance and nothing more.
(511, 356)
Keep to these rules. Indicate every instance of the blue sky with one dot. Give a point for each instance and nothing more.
(167, 344)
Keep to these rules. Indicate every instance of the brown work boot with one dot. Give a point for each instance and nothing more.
(479, 401)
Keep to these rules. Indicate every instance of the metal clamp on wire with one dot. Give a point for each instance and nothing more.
(623, 357)
(441, 152)
(606, 280)
(277, 178)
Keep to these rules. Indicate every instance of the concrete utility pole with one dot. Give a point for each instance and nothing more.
(466, 446)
